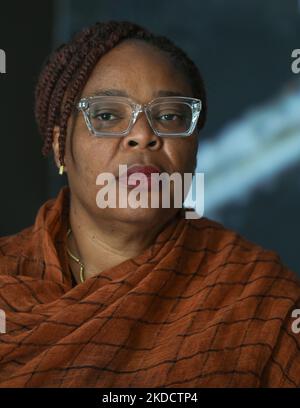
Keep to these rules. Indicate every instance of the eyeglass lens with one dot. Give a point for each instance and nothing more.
(115, 116)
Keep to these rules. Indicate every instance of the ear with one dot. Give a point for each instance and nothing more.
(55, 146)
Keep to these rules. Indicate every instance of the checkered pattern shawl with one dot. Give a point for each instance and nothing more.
(200, 307)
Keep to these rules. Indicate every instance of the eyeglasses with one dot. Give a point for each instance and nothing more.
(116, 115)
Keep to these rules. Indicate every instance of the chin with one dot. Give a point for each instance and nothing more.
(139, 215)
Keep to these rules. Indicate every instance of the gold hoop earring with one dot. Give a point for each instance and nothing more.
(61, 169)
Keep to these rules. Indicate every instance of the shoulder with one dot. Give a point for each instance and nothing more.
(26, 250)
(240, 269)
(14, 249)
(249, 288)
(227, 247)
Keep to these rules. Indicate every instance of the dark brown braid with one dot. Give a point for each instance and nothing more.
(67, 69)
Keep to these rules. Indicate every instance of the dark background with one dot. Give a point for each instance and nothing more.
(243, 49)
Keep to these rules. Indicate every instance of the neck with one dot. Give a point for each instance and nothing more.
(102, 244)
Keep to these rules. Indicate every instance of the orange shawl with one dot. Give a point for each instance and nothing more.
(201, 307)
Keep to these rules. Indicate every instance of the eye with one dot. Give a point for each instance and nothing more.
(169, 117)
(105, 116)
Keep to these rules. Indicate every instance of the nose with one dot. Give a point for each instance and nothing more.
(142, 136)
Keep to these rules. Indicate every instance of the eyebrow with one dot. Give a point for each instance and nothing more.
(121, 92)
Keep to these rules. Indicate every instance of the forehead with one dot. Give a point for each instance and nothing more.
(140, 70)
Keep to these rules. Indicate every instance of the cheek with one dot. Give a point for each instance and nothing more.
(94, 158)
(182, 153)
(91, 157)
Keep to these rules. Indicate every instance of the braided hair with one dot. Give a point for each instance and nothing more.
(67, 69)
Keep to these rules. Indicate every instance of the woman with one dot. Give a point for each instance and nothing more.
(135, 297)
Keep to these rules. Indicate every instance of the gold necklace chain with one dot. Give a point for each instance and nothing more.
(81, 273)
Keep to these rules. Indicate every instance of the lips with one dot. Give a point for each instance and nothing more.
(147, 170)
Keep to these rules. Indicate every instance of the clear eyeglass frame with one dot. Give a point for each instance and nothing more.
(195, 104)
